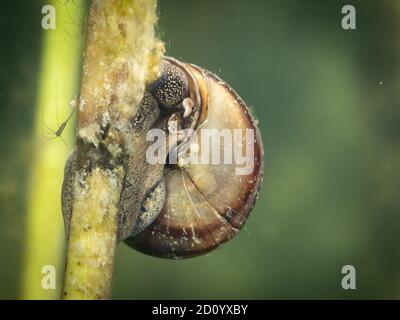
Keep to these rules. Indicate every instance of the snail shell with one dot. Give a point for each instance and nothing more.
(183, 209)
(205, 204)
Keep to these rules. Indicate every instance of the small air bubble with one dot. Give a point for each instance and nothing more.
(182, 163)
(194, 147)
(73, 103)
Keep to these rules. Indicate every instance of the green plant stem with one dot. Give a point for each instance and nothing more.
(57, 85)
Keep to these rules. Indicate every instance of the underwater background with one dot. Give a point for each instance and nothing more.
(328, 105)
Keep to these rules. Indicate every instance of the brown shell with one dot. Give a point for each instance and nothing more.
(206, 204)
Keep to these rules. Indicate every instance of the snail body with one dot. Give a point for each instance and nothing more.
(189, 206)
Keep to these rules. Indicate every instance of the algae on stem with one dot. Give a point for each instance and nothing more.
(122, 55)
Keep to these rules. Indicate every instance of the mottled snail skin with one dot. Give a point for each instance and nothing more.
(205, 205)
(143, 192)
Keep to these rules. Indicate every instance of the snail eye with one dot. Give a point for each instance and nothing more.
(171, 88)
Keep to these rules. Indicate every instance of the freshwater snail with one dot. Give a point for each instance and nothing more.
(180, 199)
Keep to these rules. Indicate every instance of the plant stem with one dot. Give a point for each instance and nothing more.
(121, 56)
(57, 85)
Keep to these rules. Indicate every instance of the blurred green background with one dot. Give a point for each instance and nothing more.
(328, 104)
